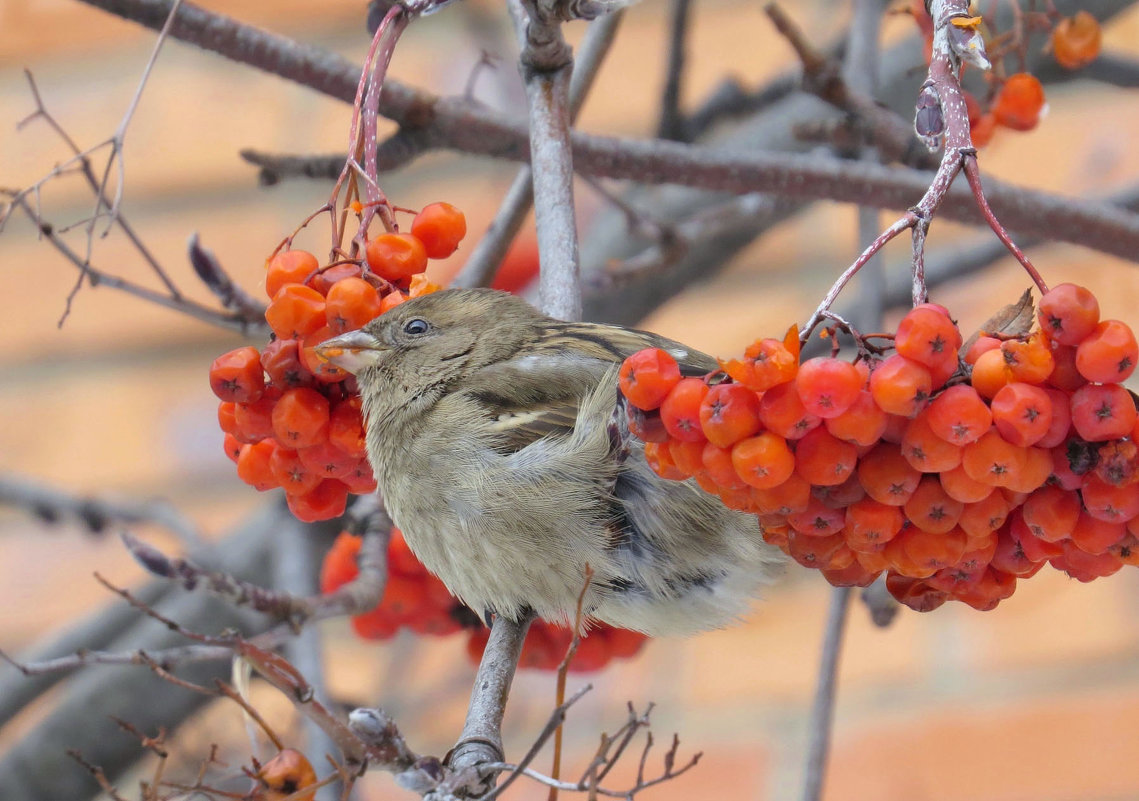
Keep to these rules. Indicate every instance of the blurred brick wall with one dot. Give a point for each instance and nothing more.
(1038, 700)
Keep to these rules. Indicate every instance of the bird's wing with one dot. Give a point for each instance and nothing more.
(537, 393)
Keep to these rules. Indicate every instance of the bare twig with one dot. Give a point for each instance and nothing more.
(672, 123)
(481, 739)
(546, 63)
(97, 514)
(491, 249)
(822, 710)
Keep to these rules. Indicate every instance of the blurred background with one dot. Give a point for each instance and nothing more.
(1038, 699)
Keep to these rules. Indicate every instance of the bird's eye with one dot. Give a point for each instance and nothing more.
(416, 327)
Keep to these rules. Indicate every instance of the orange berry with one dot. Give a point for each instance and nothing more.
(329, 277)
(981, 344)
(1084, 566)
(1051, 512)
(1019, 102)
(324, 371)
(254, 421)
(1017, 552)
(1068, 313)
(1094, 535)
(853, 575)
(766, 363)
(647, 377)
(687, 456)
(360, 480)
(824, 460)
(253, 465)
(990, 373)
(817, 520)
(1061, 419)
(932, 551)
(346, 427)
(1108, 354)
(1076, 40)
(288, 267)
(339, 564)
(326, 501)
(960, 487)
(1028, 360)
(1103, 501)
(300, 418)
(992, 459)
(918, 595)
(1064, 373)
(862, 424)
(1022, 413)
(791, 496)
(931, 509)
(680, 411)
(925, 450)
(1036, 471)
(813, 550)
(886, 475)
(729, 413)
(900, 385)
(396, 257)
(237, 376)
(440, 227)
(1102, 412)
(291, 473)
(929, 338)
(781, 411)
(1118, 463)
(232, 447)
(421, 285)
(227, 420)
(326, 460)
(763, 461)
(958, 415)
(295, 312)
(282, 361)
(721, 469)
(350, 304)
(827, 386)
(391, 300)
(981, 518)
(870, 524)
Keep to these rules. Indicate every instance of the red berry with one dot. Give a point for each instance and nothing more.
(647, 377)
(440, 227)
(237, 376)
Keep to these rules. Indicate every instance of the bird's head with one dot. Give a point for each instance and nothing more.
(435, 337)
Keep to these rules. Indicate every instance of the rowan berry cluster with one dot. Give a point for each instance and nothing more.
(292, 420)
(415, 599)
(954, 474)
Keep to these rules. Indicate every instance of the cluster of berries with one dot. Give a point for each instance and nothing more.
(954, 476)
(292, 420)
(418, 600)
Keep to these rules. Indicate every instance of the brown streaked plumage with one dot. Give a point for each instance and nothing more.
(501, 447)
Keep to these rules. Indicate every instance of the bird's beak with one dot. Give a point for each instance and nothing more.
(352, 351)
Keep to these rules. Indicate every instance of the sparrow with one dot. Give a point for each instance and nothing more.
(501, 446)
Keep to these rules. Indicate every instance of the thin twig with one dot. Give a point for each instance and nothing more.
(822, 710)
(672, 124)
(547, 62)
(491, 249)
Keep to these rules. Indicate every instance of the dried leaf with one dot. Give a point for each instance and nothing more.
(1014, 320)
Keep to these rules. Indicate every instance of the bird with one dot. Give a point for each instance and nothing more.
(501, 447)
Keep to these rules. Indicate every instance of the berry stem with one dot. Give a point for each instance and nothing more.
(973, 175)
